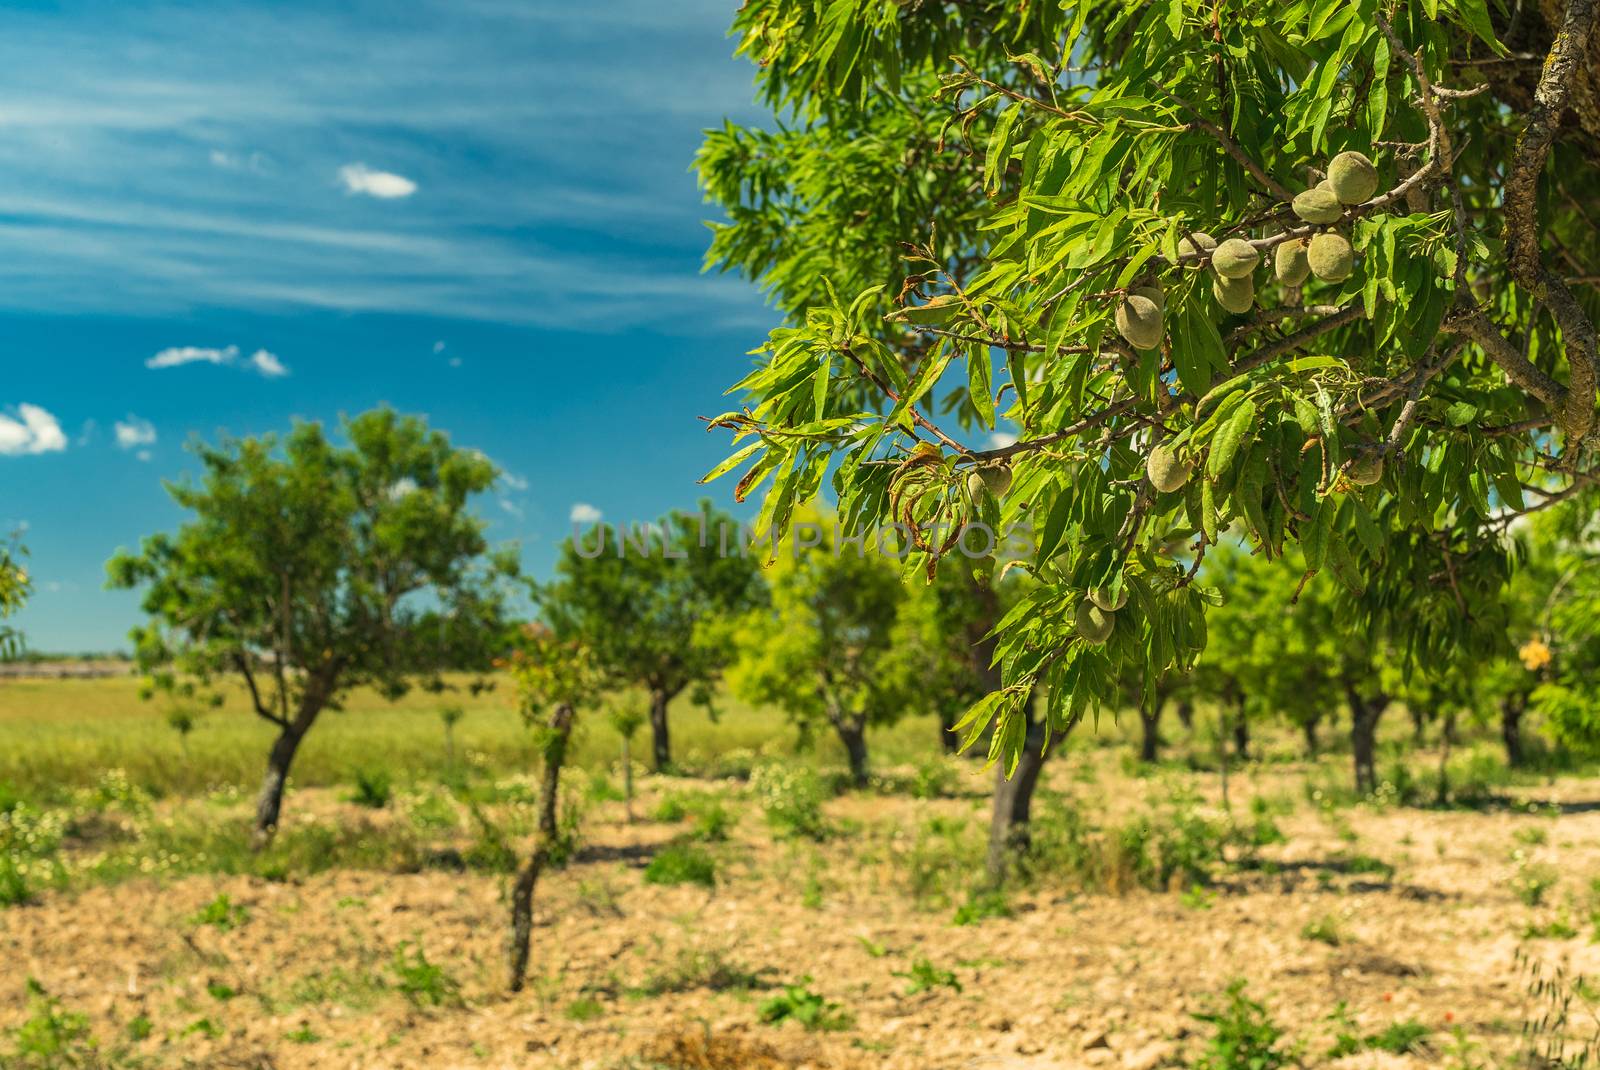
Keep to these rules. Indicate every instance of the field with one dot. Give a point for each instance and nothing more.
(753, 914)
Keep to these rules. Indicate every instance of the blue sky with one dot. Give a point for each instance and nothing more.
(219, 216)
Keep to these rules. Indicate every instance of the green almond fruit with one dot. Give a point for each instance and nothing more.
(1101, 596)
(1139, 321)
(1318, 205)
(1235, 295)
(1352, 177)
(1330, 257)
(1235, 259)
(1151, 292)
(1289, 262)
(1196, 244)
(1167, 473)
(1094, 623)
(1365, 470)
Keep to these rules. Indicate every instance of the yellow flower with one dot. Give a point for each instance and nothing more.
(1535, 655)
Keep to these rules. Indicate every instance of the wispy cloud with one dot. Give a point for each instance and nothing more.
(261, 361)
(385, 185)
(584, 513)
(32, 430)
(134, 433)
(999, 440)
(514, 481)
(251, 181)
(177, 356)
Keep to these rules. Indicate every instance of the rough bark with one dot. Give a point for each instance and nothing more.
(1309, 728)
(1364, 714)
(269, 804)
(1150, 735)
(852, 733)
(1009, 824)
(555, 756)
(660, 733)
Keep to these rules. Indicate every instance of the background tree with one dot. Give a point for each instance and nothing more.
(824, 652)
(1081, 207)
(554, 678)
(14, 590)
(641, 600)
(1564, 651)
(308, 568)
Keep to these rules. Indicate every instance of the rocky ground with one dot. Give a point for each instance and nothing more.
(1363, 918)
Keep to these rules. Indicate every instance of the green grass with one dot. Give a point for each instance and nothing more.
(60, 735)
(681, 863)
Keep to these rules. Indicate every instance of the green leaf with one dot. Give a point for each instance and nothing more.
(1228, 439)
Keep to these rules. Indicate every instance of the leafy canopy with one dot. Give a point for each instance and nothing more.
(645, 601)
(959, 199)
(310, 567)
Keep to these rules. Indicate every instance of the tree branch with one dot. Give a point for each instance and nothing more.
(1521, 194)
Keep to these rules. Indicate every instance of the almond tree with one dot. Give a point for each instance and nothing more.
(554, 679)
(641, 598)
(828, 650)
(307, 568)
(1319, 270)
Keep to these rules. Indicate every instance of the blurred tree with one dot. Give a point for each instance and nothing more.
(825, 651)
(14, 590)
(308, 568)
(647, 602)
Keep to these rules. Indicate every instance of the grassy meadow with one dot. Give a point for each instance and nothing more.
(60, 735)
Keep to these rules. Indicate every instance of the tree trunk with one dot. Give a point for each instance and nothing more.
(949, 742)
(1511, 708)
(1009, 834)
(661, 738)
(1419, 724)
(1364, 714)
(853, 734)
(627, 776)
(1241, 734)
(1186, 714)
(555, 756)
(269, 804)
(1309, 727)
(1150, 738)
(1442, 795)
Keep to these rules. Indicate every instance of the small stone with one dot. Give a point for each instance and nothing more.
(1154, 1054)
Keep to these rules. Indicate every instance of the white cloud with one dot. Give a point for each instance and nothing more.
(999, 440)
(386, 185)
(31, 430)
(268, 364)
(133, 433)
(584, 513)
(514, 481)
(177, 356)
(438, 347)
(261, 360)
(511, 507)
